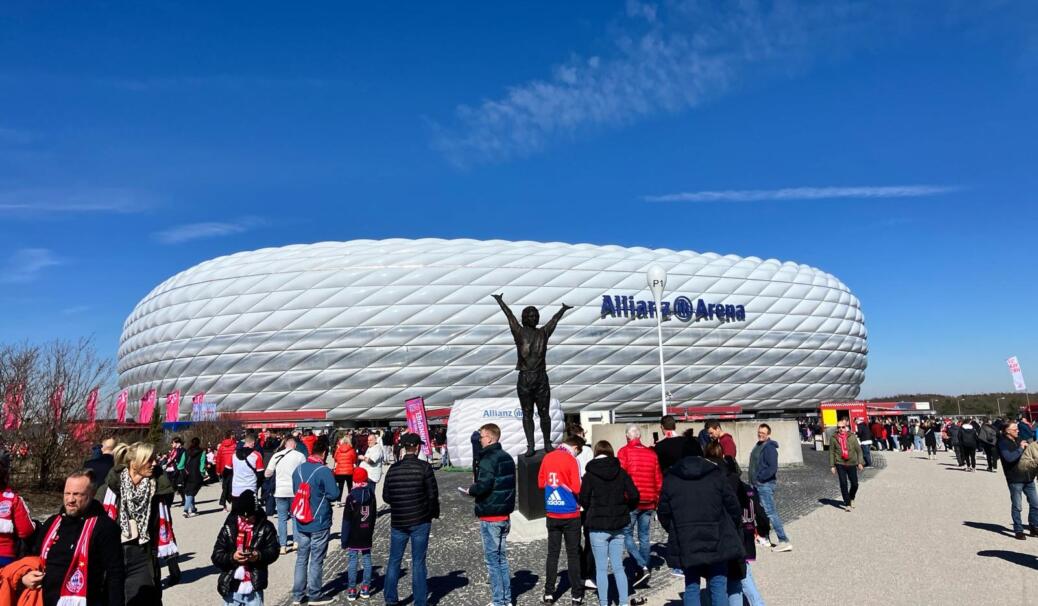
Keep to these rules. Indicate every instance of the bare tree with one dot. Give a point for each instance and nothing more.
(54, 380)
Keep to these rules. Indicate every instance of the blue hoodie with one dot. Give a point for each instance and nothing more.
(766, 465)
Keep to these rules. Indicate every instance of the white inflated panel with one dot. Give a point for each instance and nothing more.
(355, 328)
(471, 414)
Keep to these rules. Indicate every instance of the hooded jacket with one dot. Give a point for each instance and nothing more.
(225, 454)
(701, 514)
(968, 435)
(264, 542)
(358, 518)
(608, 495)
(345, 459)
(764, 462)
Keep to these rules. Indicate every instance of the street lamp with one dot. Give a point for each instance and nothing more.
(998, 402)
(959, 401)
(656, 278)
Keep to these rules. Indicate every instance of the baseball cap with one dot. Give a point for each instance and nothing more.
(410, 440)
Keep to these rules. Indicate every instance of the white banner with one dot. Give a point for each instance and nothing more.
(1018, 376)
(470, 414)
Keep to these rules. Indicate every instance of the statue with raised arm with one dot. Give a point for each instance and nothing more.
(531, 345)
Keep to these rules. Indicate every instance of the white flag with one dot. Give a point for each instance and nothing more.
(1018, 376)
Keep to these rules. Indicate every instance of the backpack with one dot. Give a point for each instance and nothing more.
(301, 509)
(1029, 459)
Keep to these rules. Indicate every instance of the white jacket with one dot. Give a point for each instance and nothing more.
(284, 464)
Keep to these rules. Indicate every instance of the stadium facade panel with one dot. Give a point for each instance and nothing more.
(355, 328)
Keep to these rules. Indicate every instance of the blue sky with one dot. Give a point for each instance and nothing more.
(889, 143)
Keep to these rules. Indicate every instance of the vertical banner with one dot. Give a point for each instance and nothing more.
(91, 405)
(13, 398)
(57, 399)
(199, 398)
(147, 406)
(173, 406)
(418, 423)
(120, 405)
(1018, 376)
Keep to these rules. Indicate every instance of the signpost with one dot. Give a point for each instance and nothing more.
(656, 277)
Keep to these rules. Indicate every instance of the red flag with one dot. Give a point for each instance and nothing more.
(91, 405)
(147, 406)
(120, 405)
(57, 398)
(199, 398)
(173, 406)
(14, 397)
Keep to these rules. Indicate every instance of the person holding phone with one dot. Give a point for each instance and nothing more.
(245, 547)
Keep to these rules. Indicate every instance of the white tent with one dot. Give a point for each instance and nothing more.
(470, 414)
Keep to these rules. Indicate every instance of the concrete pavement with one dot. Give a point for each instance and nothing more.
(922, 532)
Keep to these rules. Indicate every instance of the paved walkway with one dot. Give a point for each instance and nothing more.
(922, 532)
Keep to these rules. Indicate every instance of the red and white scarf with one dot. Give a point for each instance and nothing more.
(244, 573)
(74, 586)
(111, 505)
(842, 438)
(167, 540)
(8, 500)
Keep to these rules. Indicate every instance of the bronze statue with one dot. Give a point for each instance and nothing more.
(531, 345)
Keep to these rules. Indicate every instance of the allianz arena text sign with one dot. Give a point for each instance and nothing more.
(682, 308)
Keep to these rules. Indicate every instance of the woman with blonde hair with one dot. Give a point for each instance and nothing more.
(139, 486)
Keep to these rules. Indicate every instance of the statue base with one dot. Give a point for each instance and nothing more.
(530, 497)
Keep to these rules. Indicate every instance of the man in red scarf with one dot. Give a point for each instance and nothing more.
(81, 551)
(846, 459)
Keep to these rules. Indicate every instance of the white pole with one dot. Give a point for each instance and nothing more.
(656, 278)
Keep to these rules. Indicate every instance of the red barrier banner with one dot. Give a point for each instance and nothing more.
(173, 406)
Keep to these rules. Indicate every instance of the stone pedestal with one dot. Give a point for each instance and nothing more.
(530, 497)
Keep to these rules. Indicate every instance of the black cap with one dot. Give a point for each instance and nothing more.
(410, 440)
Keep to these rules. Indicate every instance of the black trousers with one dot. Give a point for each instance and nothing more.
(557, 531)
(848, 473)
(931, 446)
(344, 479)
(225, 493)
(958, 454)
(534, 390)
(991, 455)
(969, 456)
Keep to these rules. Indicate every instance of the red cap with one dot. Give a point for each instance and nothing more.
(360, 475)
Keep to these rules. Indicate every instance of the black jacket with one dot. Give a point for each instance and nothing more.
(494, 488)
(968, 436)
(410, 491)
(671, 450)
(264, 541)
(105, 575)
(701, 514)
(607, 494)
(1009, 451)
(194, 476)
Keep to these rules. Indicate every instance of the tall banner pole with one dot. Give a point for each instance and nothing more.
(656, 278)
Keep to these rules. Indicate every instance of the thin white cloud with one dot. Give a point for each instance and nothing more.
(56, 201)
(26, 264)
(209, 229)
(668, 57)
(805, 193)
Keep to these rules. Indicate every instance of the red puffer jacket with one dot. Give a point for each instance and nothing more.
(640, 462)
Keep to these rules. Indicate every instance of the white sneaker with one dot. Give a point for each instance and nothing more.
(783, 546)
(589, 584)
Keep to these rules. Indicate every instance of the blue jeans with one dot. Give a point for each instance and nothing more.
(1017, 490)
(717, 584)
(917, 442)
(189, 504)
(309, 578)
(767, 501)
(398, 538)
(495, 554)
(608, 547)
(365, 560)
(283, 505)
(749, 589)
(245, 599)
(642, 519)
(866, 453)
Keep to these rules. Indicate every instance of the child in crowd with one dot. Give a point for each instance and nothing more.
(358, 529)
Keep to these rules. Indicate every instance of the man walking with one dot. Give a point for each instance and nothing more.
(494, 490)
(845, 458)
(282, 469)
(865, 439)
(312, 536)
(987, 435)
(412, 494)
(247, 468)
(640, 462)
(80, 540)
(968, 444)
(1010, 448)
(763, 475)
(559, 477)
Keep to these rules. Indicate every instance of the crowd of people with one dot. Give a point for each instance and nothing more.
(114, 536)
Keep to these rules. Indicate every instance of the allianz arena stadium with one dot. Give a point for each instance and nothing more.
(350, 330)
